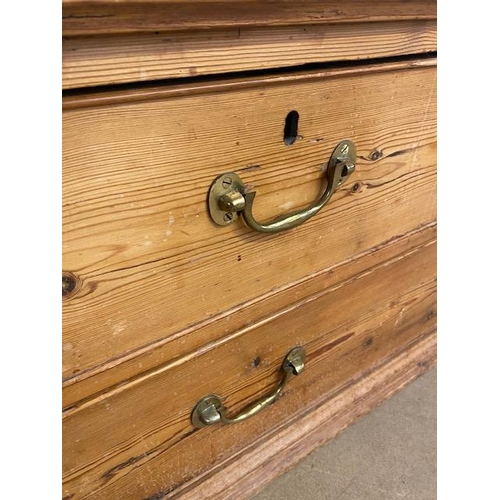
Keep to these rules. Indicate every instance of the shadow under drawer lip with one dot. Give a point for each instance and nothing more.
(176, 87)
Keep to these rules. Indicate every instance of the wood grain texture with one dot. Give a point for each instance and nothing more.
(136, 233)
(118, 374)
(104, 60)
(242, 476)
(150, 91)
(139, 443)
(85, 17)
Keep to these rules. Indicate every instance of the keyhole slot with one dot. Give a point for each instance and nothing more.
(291, 128)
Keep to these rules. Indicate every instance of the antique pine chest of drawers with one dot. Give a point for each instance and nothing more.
(249, 234)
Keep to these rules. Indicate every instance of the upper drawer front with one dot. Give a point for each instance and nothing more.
(144, 262)
(105, 60)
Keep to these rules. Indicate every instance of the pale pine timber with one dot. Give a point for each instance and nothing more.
(172, 351)
(105, 60)
(126, 168)
(100, 97)
(117, 448)
(244, 475)
(90, 17)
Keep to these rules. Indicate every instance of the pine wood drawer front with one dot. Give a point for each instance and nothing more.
(138, 441)
(105, 60)
(144, 262)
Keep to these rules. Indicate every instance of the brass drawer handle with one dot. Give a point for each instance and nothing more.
(210, 410)
(227, 196)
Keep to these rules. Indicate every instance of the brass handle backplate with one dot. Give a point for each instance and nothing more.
(227, 197)
(210, 409)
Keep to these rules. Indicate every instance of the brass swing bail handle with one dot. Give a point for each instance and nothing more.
(227, 195)
(210, 410)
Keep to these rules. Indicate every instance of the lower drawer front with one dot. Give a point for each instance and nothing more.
(138, 441)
